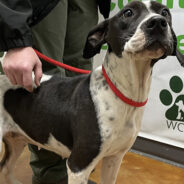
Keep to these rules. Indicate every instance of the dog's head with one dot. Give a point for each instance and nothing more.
(137, 28)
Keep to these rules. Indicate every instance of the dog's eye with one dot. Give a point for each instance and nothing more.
(128, 13)
(165, 12)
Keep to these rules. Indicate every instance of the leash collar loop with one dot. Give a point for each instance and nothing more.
(112, 86)
(119, 94)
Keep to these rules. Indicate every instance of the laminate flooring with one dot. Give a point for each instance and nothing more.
(135, 169)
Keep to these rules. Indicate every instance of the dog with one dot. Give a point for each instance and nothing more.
(92, 117)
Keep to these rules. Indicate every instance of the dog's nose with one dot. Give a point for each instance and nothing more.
(156, 24)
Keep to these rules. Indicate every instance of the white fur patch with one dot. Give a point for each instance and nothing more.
(136, 43)
(79, 177)
(46, 78)
(148, 4)
(119, 123)
(82, 176)
(57, 146)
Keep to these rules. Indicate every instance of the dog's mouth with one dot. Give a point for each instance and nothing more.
(165, 45)
(159, 48)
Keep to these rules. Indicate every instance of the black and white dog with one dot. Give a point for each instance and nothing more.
(97, 116)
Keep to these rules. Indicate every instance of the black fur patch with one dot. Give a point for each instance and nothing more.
(62, 107)
(158, 7)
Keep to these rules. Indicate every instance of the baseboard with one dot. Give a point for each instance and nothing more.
(160, 151)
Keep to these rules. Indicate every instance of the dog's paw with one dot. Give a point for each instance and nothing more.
(176, 110)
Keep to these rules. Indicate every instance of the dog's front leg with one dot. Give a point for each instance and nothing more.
(80, 177)
(110, 168)
(78, 172)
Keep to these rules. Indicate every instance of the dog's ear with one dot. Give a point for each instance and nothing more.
(176, 52)
(95, 40)
(180, 57)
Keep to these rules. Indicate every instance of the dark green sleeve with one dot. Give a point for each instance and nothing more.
(15, 17)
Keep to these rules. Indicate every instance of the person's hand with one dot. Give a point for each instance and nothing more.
(18, 65)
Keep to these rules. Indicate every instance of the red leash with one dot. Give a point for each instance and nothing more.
(62, 65)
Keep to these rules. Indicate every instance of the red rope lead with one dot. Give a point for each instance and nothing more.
(112, 86)
(62, 65)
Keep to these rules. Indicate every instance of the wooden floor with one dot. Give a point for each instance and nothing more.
(135, 169)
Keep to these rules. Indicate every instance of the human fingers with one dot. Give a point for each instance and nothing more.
(38, 72)
(27, 81)
(18, 76)
(9, 75)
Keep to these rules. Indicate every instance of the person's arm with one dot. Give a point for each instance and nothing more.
(15, 16)
(16, 39)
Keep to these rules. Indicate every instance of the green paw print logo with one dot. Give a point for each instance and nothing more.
(175, 111)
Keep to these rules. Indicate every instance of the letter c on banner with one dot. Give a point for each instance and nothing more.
(179, 125)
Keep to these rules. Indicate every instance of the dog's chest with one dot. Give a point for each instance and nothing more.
(119, 123)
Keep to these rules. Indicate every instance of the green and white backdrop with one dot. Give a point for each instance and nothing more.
(163, 119)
